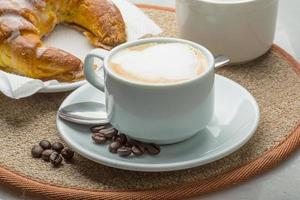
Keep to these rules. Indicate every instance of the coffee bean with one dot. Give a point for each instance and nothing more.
(36, 151)
(124, 151)
(152, 149)
(133, 142)
(136, 151)
(121, 138)
(109, 133)
(45, 144)
(46, 154)
(96, 129)
(141, 147)
(67, 153)
(55, 159)
(113, 147)
(128, 144)
(98, 138)
(57, 146)
(137, 144)
(107, 129)
(122, 144)
(98, 134)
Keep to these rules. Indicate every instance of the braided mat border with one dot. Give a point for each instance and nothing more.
(240, 174)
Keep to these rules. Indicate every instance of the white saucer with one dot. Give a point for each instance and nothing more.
(235, 121)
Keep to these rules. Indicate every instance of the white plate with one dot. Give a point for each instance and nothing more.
(235, 121)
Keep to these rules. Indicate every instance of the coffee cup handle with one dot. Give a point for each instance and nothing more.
(89, 71)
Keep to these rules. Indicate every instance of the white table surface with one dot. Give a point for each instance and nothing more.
(280, 183)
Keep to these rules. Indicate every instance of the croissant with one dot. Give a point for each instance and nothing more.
(24, 22)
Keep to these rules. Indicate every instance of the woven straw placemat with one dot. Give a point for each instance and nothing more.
(272, 79)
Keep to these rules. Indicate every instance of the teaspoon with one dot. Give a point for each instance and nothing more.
(88, 113)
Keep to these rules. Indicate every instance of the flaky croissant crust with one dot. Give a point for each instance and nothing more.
(24, 22)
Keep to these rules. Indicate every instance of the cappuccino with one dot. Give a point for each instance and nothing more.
(159, 63)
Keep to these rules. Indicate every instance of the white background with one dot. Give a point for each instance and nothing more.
(281, 183)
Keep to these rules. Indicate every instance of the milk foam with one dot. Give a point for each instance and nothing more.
(167, 62)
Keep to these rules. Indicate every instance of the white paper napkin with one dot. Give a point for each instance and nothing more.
(137, 25)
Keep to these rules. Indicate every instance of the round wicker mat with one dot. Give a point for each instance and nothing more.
(272, 79)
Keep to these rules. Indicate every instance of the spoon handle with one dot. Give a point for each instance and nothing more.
(220, 61)
(83, 121)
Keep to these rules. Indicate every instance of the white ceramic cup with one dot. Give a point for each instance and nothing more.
(242, 30)
(162, 114)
